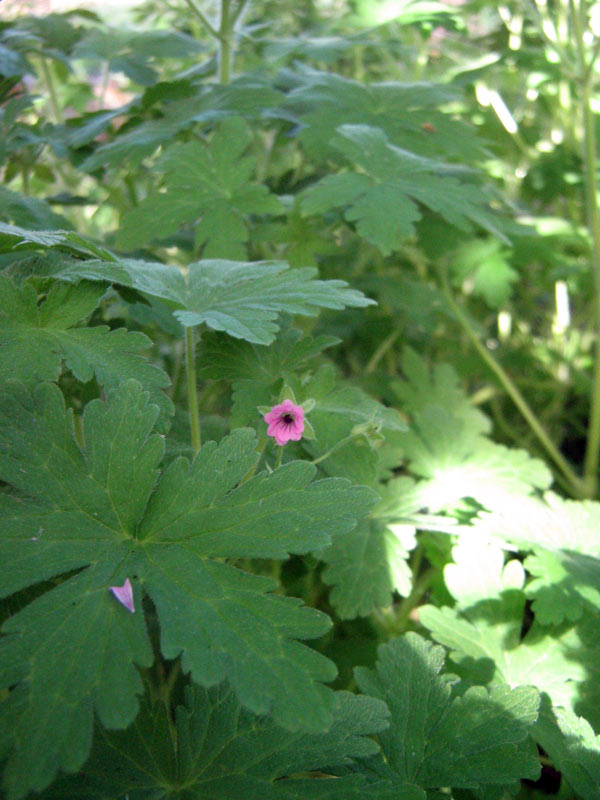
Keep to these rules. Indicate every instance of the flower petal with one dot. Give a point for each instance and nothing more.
(124, 595)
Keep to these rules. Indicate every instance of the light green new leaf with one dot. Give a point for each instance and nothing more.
(223, 752)
(438, 738)
(209, 185)
(134, 52)
(101, 512)
(458, 464)
(436, 384)
(446, 444)
(36, 339)
(383, 197)
(242, 299)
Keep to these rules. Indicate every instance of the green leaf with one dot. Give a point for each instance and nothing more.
(483, 631)
(566, 553)
(446, 446)
(256, 371)
(247, 95)
(366, 565)
(305, 240)
(243, 299)
(574, 748)
(208, 185)
(382, 199)
(407, 112)
(484, 265)
(36, 339)
(223, 358)
(14, 237)
(29, 211)
(439, 738)
(339, 408)
(225, 753)
(102, 513)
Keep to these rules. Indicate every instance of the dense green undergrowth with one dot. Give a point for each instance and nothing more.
(350, 212)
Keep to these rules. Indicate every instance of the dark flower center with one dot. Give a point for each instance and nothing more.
(288, 419)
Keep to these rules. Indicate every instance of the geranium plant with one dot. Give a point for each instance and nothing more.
(300, 402)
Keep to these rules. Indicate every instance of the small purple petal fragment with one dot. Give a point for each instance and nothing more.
(124, 595)
(286, 422)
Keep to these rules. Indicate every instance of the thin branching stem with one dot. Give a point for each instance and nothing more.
(203, 19)
(515, 395)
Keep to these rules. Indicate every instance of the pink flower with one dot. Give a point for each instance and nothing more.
(124, 595)
(286, 421)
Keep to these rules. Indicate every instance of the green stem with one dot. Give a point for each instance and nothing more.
(190, 362)
(78, 430)
(592, 452)
(213, 31)
(225, 36)
(420, 587)
(53, 97)
(515, 395)
(279, 457)
(229, 18)
(383, 348)
(238, 12)
(335, 447)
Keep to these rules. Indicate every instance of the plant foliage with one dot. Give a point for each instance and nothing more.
(383, 219)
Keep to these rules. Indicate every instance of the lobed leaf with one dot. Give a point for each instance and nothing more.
(566, 555)
(440, 739)
(35, 340)
(242, 299)
(383, 197)
(223, 752)
(208, 185)
(409, 114)
(103, 514)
